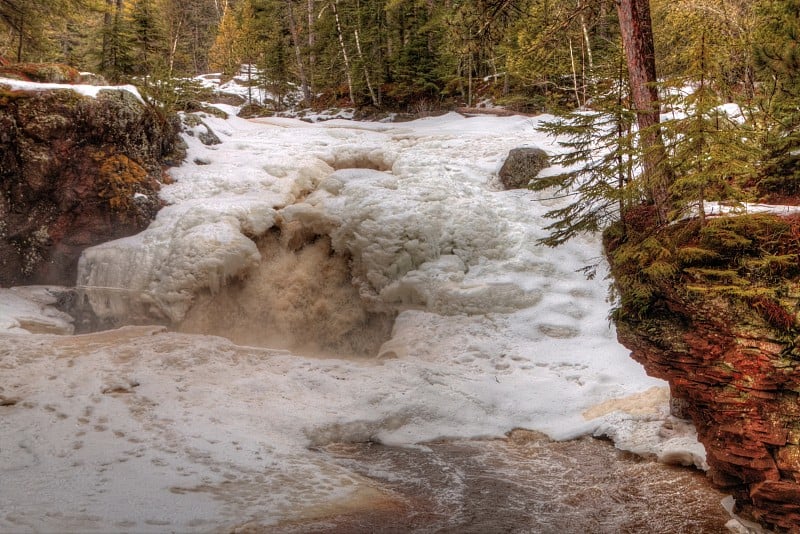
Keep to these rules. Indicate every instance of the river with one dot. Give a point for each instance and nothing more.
(356, 316)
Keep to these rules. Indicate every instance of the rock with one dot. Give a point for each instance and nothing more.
(731, 353)
(75, 171)
(41, 72)
(196, 127)
(252, 111)
(521, 166)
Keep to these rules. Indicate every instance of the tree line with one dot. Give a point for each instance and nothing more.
(531, 55)
(598, 57)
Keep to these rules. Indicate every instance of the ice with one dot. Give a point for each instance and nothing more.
(32, 310)
(426, 235)
(493, 332)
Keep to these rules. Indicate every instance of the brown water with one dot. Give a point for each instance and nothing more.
(298, 298)
(526, 483)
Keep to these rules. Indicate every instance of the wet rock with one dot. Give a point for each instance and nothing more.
(521, 166)
(75, 171)
(732, 357)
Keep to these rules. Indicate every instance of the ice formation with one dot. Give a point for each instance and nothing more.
(493, 332)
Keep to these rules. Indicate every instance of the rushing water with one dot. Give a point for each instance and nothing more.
(526, 483)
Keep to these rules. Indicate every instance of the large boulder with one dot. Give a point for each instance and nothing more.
(75, 171)
(41, 72)
(521, 166)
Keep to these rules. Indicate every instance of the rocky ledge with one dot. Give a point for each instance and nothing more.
(75, 170)
(713, 309)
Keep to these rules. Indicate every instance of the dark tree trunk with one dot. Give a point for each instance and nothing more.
(295, 34)
(637, 39)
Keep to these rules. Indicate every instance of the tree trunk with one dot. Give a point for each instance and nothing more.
(107, 20)
(372, 95)
(21, 37)
(344, 51)
(312, 42)
(574, 76)
(637, 40)
(301, 70)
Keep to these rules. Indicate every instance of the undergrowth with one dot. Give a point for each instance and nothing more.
(747, 259)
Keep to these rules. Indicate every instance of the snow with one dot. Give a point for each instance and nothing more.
(250, 88)
(30, 309)
(150, 430)
(86, 90)
(247, 84)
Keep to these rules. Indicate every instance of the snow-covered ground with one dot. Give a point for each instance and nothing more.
(142, 429)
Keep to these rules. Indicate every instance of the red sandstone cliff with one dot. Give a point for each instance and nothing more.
(714, 311)
(75, 171)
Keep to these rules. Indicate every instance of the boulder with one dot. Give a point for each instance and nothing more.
(75, 171)
(521, 166)
(194, 126)
(41, 72)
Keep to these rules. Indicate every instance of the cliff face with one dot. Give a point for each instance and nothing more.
(75, 171)
(714, 311)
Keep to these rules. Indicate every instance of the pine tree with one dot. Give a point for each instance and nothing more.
(723, 29)
(148, 38)
(778, 62)
(711, 154)
(224, 54)
(116, 58)
(599, 155)
(246, 42)
(35, 25)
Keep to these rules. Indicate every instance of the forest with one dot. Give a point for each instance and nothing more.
(727, 83)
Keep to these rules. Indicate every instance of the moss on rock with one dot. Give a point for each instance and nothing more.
(714, 311)
(78, 170)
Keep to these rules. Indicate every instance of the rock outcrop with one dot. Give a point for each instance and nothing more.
(714, 311)
(521, 166)
(75, 171)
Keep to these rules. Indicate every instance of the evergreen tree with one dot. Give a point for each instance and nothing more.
(710, 154)
(599, 155)
(116, 59)
(413, 41)
(223, 55)
(778, 61)
(147, 38)
(723, 30)
(35, 25)
(246, 43)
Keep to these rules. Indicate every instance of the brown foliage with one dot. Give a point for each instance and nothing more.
(41, 72)
(774, 313)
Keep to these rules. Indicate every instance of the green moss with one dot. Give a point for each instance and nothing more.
(120, 176)
(750, 261)
(728, 277)
(744, 234)
(770, 266)
(696, 255)
(8, 95)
